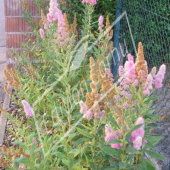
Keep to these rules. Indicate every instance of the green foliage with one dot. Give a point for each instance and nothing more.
(103, 7)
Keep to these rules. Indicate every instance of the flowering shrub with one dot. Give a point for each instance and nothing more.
(72, 116)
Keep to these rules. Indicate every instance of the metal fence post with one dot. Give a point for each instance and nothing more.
(114, 62)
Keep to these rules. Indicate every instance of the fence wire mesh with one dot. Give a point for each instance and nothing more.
(150, 24)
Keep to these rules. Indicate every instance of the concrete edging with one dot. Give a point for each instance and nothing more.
(3, 119)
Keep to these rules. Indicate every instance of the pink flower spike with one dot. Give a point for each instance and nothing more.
(112, 135)
(130, 71)
(138, 132)
(88, 115)
(53, 11)
(42, 34)
(27, 109)
(100, 22)
(62, 34)
(83, 108)
(137, 143)
(109, 134)
(121, 71)
(130, 57)
(148, 85)
(159, 77)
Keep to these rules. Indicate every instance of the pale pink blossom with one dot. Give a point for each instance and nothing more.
(91, 2)
(137, 143)
(159, 77)
(138, 134)
(99, 115)
(126, 105)
(46, 25)
(130, 69)
(83, 109)
(42, 34)
(153, 71)
(110, 135)
(135, 83)
(124, 93)
(28, 109)
(143, 76)
(121, 71)
(53, 11)
(129, 96)
(148, 85)
(100, 23)
(88, 115)
(62, 35)
(117, 97)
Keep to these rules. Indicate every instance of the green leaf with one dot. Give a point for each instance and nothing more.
(148, 165)
(83, 132)
(84, 148)
(75, 152)
(147, 100)
(81, 140)
(154, 139)
(66, 162)
(111, 151)
(113, 121)
(59, 154)
(30, 138)
(115, 141)
(123, 165)
(21, 144)
(25, 161)
(138, 166)
(132, 151)
(128, 135)
(155, 155)
(110, 168)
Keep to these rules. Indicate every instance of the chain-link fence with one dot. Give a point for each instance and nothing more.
(149, 23)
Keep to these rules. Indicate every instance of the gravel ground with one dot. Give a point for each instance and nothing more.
(162, 107)
(2, 95)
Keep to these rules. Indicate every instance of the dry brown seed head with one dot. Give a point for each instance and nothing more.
(1, 159)
(66, 23)
(6, 91)
(140, 63)
(9, 154)
(4, 149)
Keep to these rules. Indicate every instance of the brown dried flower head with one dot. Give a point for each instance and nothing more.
(140, 64)
(67, 26)
(6, 91)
